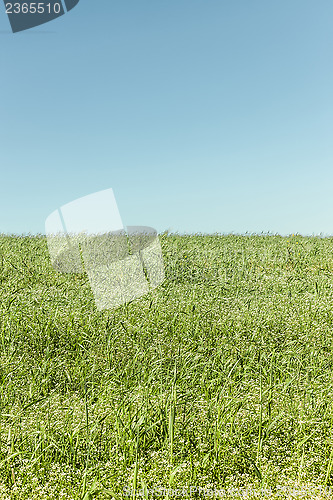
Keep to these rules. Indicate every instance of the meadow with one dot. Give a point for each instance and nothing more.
(220, 379)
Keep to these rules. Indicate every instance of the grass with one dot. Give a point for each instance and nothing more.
(221, 378)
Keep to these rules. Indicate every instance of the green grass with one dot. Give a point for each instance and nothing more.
(220, 378)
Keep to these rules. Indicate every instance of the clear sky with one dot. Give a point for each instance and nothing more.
(202, 115)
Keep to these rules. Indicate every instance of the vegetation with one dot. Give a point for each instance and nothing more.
(221, 378)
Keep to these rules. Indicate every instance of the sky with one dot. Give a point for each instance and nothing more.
(203, 116)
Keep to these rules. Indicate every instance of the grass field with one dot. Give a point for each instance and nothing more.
(221, 378)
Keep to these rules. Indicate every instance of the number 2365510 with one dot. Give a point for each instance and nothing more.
(33, 8)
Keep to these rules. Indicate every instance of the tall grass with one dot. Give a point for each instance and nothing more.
(220, 378)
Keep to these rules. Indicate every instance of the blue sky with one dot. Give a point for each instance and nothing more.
(202, 115)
